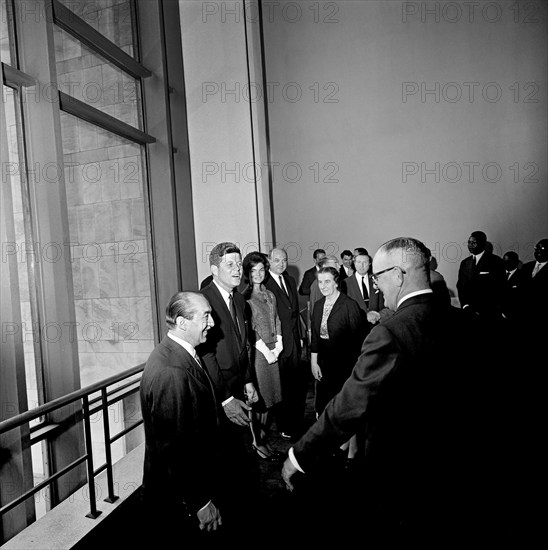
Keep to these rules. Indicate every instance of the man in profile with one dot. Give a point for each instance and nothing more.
(182, 467)
(402, 395)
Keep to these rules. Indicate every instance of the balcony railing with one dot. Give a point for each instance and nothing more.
(88, 407)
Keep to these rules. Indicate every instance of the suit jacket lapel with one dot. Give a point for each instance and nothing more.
(186, 361)
(278, 292)
(222, 309)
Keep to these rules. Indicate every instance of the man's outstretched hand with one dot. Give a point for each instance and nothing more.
(237, 412)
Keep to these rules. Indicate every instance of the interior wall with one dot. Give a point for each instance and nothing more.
(219, 127)
(425, 119)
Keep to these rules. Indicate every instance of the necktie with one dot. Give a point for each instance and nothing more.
(233, 314)
(282, 284)
(536, 269)
(364, 291)
(197, 359)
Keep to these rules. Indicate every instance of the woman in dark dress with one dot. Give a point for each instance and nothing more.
(337, 337)
(266, 345)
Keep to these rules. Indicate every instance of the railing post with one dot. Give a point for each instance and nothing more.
(93, 512)
(108, 454)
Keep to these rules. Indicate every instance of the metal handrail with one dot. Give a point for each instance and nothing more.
(60, 402)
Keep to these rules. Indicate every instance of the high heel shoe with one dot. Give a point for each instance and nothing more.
(263, 455)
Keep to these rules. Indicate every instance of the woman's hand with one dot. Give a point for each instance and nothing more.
(316, 371)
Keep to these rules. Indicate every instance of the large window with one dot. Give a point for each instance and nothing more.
(77, 209)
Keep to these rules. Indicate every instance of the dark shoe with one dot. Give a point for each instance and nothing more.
(269, 457)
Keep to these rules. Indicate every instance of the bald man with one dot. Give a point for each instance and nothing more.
(292, 372)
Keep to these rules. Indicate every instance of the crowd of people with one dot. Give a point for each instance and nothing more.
(417, 394)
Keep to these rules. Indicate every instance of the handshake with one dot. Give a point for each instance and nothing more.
(271, 355)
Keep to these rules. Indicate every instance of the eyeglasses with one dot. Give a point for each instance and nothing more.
(375, 276)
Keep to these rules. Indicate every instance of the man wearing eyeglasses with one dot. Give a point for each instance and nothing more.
(400, 397)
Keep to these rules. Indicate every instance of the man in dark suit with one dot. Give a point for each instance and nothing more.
(225, 353)
(535, 280)
(226, 358)
(181, 419)
(310, 274)
(511, 300)
(403, 398)
(481, 280)
(293, 374)
(361, 288)
(347, 269)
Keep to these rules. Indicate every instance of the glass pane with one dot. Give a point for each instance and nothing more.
(14, 172)
(110, 256)
(23, 249)
(110, 253)
(90, 78)
(6, 32)
(112, 18)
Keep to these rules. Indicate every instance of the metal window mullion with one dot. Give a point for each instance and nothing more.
(82, 110)
(77, 27)
(14, 78)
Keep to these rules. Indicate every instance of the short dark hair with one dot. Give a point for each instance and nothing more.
(333, 271)
(361, 251)
(480, 236)
(220, 250)
(317, 252)
(512, 256)
(181, 304)
(345, 253)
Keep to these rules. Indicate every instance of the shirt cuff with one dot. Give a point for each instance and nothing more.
(227, 400)
(291, 455)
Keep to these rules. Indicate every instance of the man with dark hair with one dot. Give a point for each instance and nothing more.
(225, 353)
(226, 357)
(481, 280)
(361, 288)
(310, 274)
(347, 269)
(511, 300)
(403, 398)
(181, 417)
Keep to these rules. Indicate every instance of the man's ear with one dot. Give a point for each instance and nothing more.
(181, 322)
(215, 270)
